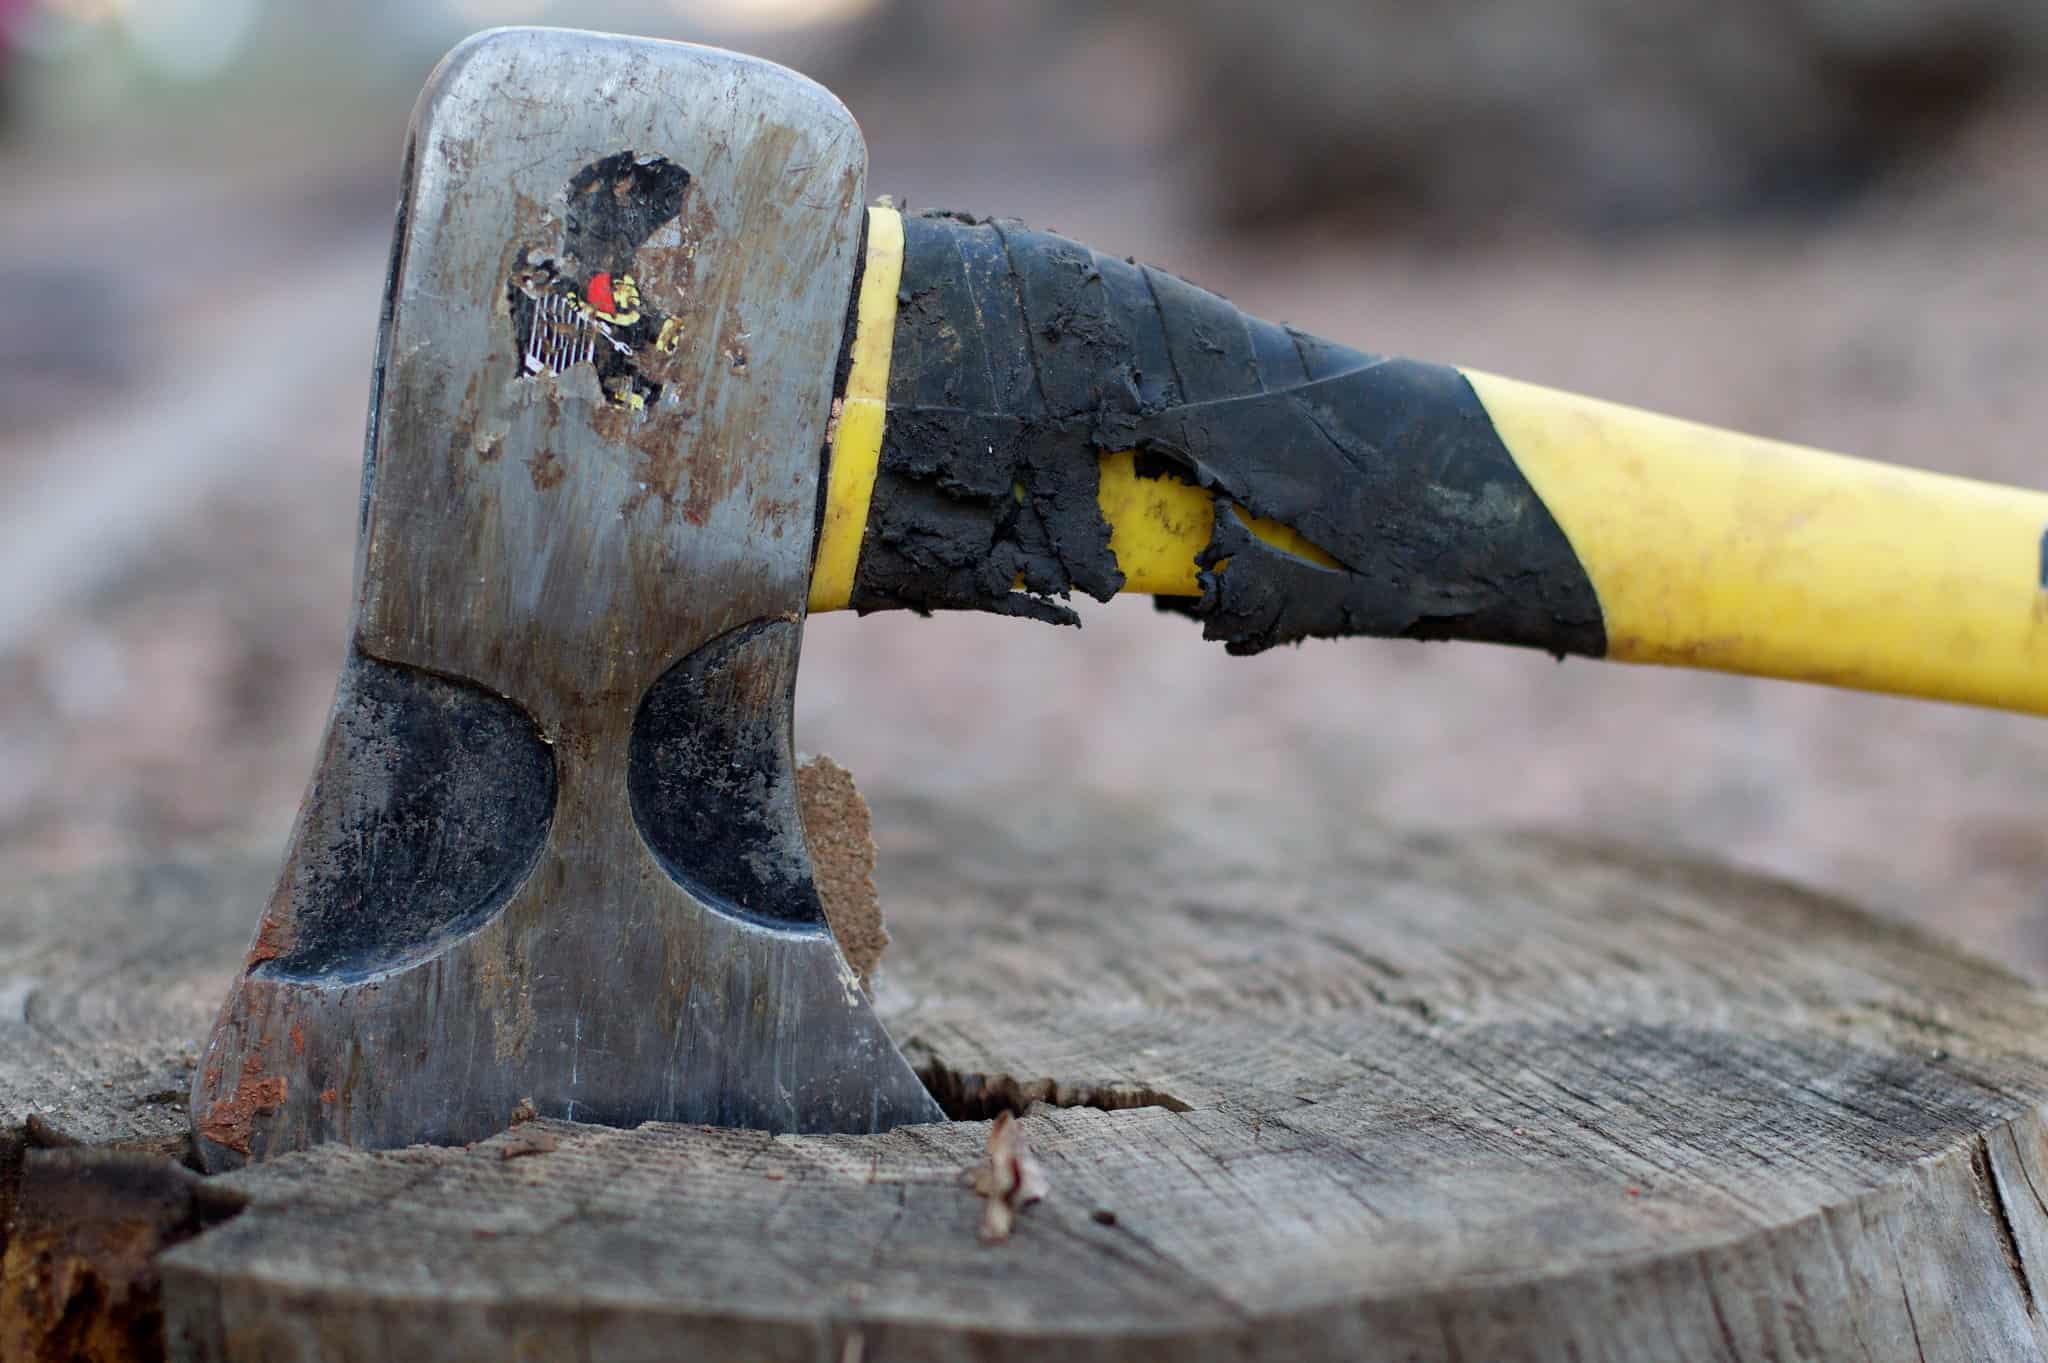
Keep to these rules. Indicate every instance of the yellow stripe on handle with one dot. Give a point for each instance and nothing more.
(1715, 550)
(857, 434)
(1157, 525)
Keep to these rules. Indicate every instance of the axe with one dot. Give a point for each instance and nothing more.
(652, 382)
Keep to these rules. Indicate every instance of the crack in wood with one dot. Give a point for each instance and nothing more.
(1991, 1196)
(971, 1097)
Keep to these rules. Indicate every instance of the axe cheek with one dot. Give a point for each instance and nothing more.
(551, 859)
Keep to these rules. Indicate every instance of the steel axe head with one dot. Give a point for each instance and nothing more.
(551, 852)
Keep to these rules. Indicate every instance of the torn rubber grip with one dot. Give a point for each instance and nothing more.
(1020, 358)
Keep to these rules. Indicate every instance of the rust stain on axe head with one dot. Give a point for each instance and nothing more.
(733, 338)
(547, 470)
(229, 1121)
(273, 939)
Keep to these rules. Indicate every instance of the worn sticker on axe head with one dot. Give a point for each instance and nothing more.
(578, 300)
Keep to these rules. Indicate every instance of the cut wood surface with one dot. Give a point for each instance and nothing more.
(1303, 1090)
(108, 981)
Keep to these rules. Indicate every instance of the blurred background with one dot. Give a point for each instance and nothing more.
(1821, 220)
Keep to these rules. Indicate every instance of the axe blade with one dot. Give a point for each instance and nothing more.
(551, 852)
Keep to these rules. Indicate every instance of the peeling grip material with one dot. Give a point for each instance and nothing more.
(1021, 358)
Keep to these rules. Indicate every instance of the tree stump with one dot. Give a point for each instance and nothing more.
(1297, 1091)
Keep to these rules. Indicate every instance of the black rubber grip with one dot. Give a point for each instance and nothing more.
(1021, 357)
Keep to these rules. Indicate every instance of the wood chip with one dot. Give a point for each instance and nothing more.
(1008, 1181)
(841, 838)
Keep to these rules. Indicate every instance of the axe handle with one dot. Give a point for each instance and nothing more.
(1716, 550)
(1023, 417)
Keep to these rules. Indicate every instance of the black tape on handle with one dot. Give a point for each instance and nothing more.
(1021, 357)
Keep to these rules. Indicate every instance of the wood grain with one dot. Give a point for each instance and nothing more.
(1501, 1096)
(108, 981)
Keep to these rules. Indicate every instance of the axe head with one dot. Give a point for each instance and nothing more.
(551, 853)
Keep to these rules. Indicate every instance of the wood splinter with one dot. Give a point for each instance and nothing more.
(1008, 1181)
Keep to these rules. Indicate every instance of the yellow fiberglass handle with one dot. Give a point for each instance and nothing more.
(1715, 550)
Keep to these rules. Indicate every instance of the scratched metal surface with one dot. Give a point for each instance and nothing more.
(530, 537)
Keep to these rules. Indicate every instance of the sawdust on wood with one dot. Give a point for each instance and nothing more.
(842, 843)
(1008, 1181)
